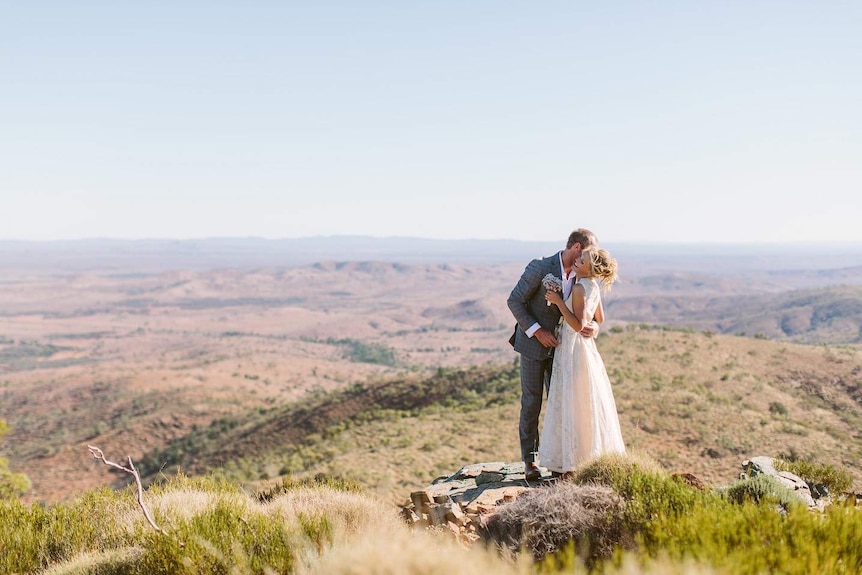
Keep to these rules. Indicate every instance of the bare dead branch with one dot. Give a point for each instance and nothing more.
(98, 454)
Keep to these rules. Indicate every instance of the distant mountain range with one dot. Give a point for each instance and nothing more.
(159, 255)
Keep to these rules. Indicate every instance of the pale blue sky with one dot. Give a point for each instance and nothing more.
(658, 121)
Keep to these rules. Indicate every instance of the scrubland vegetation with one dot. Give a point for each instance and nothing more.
(619, 514)
(298, 431)
(697, 402)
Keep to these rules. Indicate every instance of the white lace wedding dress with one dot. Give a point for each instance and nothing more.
(581, 418)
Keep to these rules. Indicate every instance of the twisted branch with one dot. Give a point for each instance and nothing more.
(98, 454)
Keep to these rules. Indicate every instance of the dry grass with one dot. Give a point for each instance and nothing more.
(95, 562)
(360, 536)
(543, 521)
(352, 513)
(633, 565)
(402, 552)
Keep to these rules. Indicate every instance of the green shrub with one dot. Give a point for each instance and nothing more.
(11, 484)
(225, 538)
(364, 352)
(818, 476)
(777, 408)
(613, 469)
(589, 534)
(649, 491)
(739, 529)
(751, 539)
(34, 537)
(761, 488)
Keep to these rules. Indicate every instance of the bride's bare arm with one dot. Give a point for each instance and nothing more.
(578, 297)
(599, 316)
(591, 329)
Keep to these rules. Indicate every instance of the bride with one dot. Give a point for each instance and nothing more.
(581, 416)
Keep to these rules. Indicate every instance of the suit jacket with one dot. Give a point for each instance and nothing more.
(528, 305)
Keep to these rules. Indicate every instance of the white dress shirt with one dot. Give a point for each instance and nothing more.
(568, 282)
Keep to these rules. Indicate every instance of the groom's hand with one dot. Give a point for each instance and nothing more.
(545, 337)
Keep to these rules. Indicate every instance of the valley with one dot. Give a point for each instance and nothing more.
(136, 361)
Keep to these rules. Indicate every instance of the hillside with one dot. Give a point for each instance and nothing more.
(827, 315)
(696, 402)
(133, 361)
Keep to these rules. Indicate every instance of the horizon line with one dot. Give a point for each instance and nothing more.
(773, 243)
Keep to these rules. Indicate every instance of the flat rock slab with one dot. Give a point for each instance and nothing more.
(471, 494)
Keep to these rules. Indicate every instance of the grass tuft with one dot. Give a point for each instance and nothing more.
(614, 469)
(543, 521)
(289, 484)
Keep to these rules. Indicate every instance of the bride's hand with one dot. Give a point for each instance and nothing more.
(554, 297)
(590, 330)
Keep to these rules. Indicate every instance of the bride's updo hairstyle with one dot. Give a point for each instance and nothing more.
(602, 266)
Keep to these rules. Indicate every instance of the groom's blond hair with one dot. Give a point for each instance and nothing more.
(584, 237)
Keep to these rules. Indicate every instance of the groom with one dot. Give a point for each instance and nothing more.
(534, 336)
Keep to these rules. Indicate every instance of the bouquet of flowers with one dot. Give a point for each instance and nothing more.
(552, 283)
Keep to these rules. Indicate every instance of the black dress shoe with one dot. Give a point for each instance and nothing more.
(531, 472)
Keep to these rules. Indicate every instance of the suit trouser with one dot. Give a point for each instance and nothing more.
(535, 378)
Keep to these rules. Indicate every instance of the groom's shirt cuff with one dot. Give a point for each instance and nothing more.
(532, 329)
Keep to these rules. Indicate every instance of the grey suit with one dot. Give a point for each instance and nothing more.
(528, 305)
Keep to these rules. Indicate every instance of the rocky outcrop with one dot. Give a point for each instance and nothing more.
(463, 501)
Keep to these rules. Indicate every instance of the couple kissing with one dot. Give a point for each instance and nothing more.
(558, 307)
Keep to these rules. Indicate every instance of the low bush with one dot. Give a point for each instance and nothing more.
(753, 538)
(649, 491)
(11, 484)
(34, 537)
(761, 489)
(822, 478)
(226, 537)
(614, 469)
